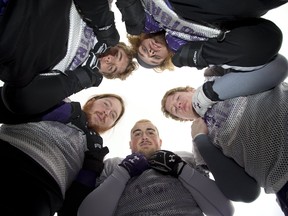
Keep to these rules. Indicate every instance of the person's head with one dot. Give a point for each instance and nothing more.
(151, 51)
(177, 104)
(145, 138)
(117, 62)
(104, 111)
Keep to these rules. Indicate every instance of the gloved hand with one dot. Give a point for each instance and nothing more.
(133, 15)
(135, 164)
(167, 163)
(88, 73)
(190, 55)
(108, 34)
(93, 159)
(200, 102)
(92, 62)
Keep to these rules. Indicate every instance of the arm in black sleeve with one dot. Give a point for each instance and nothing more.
(97, 15)
(46, 90)
(133, 15)
(231, 178)
(73, 198)
(62, 112)
(241, 49)
(95, 12)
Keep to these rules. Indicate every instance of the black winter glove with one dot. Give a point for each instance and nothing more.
(98, 16)
(88, 73)
(133, 15)
(190, 55)
(135, 164)
(93, 159)
(108, 34)
(167, 163)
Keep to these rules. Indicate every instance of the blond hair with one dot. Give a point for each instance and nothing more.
(135, 42)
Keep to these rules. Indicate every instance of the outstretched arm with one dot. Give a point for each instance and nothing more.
(241, 48)
(133, 15)
(235, 84)
(49, 89)
(253, 82)
(104, 199)
(231, 178)
(98, 16)
(206, 193)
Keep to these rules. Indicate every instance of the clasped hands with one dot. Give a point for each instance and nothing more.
(165, 162)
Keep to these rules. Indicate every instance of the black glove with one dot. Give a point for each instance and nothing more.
(167, 163)
(98, 16)
(88, 73)
(190, 55)
(93, 159)
(135, 164)
(133, 15)
(108, 34)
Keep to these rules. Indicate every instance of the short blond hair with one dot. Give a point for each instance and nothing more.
(144, 121)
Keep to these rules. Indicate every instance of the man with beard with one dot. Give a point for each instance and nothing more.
(152, 181)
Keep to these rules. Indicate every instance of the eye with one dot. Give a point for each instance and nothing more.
(144, 49)
(136, 134)
(151, 132)
(113, 115)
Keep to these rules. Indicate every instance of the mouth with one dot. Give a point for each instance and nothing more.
(143, 144)
(99, 117)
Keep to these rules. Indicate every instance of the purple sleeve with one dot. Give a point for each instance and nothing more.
(61, 113)
(151, 26)
(173, 42)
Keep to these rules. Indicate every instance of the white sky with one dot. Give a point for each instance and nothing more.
(142, 93)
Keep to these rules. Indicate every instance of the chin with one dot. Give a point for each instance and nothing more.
(147, 152)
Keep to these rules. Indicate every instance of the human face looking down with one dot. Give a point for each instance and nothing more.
(103, 113)
(145, 138)
(153, 50)
(114, 61)
(180, 104)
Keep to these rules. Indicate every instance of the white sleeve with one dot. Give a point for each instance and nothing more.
(104, 199)
(206, 193)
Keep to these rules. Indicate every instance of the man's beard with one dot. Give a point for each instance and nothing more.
(147, 152)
